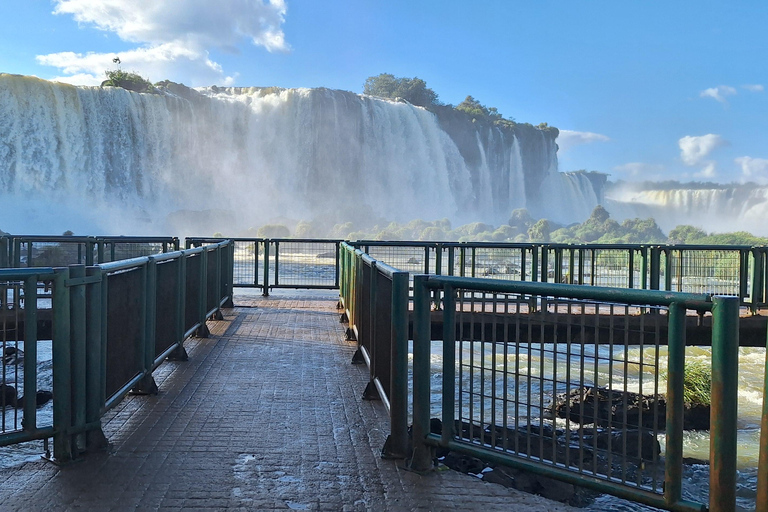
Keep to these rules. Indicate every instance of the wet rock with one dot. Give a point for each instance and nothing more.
(500, 475)
(8, 396)
(555, 489)
(463, 463)
(589, 405)
(12, 355)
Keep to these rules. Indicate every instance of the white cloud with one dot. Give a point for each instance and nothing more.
(640, 169)
(753, 168)
(709, 170)
(569, 138)
(718, 93)
(693, 150)
(753, 87)
(175, 36)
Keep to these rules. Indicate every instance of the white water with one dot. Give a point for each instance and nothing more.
(738, 208)
(110, 161)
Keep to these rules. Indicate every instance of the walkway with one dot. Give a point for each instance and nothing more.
(265, 415)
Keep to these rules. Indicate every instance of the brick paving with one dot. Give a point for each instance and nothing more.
(266, 415)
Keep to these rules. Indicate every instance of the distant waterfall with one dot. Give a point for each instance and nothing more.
(110, 161)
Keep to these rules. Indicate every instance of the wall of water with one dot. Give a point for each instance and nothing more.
(726, 209)
(107, 160)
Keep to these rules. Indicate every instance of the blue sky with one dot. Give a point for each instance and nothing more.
(642, 90)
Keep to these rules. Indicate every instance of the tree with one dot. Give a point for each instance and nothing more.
(413, 90)
(540, 231)
(685, 234)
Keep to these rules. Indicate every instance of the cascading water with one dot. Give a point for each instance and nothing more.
(105, 160)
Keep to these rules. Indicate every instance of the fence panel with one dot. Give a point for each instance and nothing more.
(126, 301)
(167, 305)
(580, 387)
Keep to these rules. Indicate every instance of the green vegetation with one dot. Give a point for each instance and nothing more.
(477, 111)
(600, 228)
(697, 383)
(413, 90)
(130, 81)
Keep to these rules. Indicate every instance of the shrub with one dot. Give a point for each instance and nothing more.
(130, 81)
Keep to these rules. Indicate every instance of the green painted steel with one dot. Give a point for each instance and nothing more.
(725, 385)
(762, 466)
(724, 392)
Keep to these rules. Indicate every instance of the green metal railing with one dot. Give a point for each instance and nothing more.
(722, 270)
(487, 414)
(112, 325)
(19, 315)
(374, 297)
(19, 251)
(269, 263)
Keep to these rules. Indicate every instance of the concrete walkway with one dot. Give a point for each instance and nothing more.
(265, 415)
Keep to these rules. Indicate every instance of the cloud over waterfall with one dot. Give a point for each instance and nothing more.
(175, 36)
(569, 138)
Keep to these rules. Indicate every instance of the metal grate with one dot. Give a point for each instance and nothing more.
(556, 381)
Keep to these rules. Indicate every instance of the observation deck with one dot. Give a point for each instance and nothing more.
(266, 414)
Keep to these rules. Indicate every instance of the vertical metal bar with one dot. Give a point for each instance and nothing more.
(94, 437)
(631, 283)
(202, 296)
(451, 260)
(4, 252)
(725, 366)
(655, 264)
(78, 354)
(398, 399)
(337, 248)
(62, 376)
(474, 261)
(762, 465)
(150, 315)
(277, 263)
(422, 457)
(462, 260)
(266, 266)
(673, 471)
(426, 259)
(29, 422)
(449, 364)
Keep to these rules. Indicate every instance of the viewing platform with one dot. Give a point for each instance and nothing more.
(266, 414)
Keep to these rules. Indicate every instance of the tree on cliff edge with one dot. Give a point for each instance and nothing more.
(413, 90)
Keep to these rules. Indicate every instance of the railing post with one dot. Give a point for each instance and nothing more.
(762, 465)
(202, 311)
(338, 263)
(725, 367)
(180, 354)
(655, 265)
(757, 281)
(231, 275)
(147, 385)
(631, 265)
(62, 377)
(449, 365)
(421, 459)
(29, 420)
(673, 472)
(78, 351)
(396, 445)
(4, 254)
(277, 262)
(94, 437)
(266, 266)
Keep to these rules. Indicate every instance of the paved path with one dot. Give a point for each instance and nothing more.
(265, 415)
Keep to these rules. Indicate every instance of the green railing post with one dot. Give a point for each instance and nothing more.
(725, 366)
(421, 459)
(673, 467)
(449, 365)
(338, 263)
(397, 443)
(78, 351)
(277, 263)
(757, 281)
(147, 385)
(202, 312)
(462, 260)
(231, 275)
(29, 421)
(180, 354)
(4, 252)
(266, 267)
(94, 438)
(631, 283)
(762, 465)
(655, 265)
(63, 450)
(451, 260)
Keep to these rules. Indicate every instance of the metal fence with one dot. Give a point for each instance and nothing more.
(26, 319)
(575, 388)
(723, 270)
(109, 326)
(282, 262)
(19, 251)
(374, 298)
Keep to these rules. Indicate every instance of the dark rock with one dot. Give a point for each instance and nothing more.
(42, 397)
(8, 396)
(12, 355)
(463, 463)
(500, 475)
(555, 489)
(639, 444)
(590, 405)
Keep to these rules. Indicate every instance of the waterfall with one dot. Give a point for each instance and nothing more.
(105, 160)
(729, 208)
